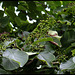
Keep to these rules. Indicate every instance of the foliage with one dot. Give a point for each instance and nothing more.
(43, 47)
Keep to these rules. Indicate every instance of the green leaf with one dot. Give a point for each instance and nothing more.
(8, 42)
(43, 39)
(9, 64)
(73, 52)
(73, 44)
(68, 65)
(1, 13)
(33, 9)
(31, 5)
(20, 7)
(61, 2)
(19, 57)
(4, 21)
(22, 16)
(4, 72)
(47, 57)
(49, 48)
(54, 4)
(18, 21)
(9, 3)
(74, 59)
(67, 2)
(11, 13)
(56, 40)
(68, 38)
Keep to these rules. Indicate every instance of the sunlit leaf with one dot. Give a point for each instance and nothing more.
(9, 64)
(47, 57)
(68, 64)
(73, 52)
(4, 21)
(74, 59)
(19, 57)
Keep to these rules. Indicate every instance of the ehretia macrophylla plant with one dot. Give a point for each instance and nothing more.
(37, 37)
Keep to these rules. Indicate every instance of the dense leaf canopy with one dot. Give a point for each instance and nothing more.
(46, 46)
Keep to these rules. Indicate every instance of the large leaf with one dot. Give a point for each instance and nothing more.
(4, 72)
(68, 65)
(74, 59)
(9, 64)
(68, 38)
(47, 57)
(18, 56)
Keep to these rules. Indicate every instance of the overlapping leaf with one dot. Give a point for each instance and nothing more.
(47, 57)
(15, 58)
(4, 72)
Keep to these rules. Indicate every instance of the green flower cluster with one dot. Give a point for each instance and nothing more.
(41, 29)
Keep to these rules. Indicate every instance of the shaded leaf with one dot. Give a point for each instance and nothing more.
(4, 21)
(73, 44)
(11, 13)
(18, 21)
(4, 72)
(57, 41)
(22, 16)
(9, 3)
(1, 13)
(68, 38)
